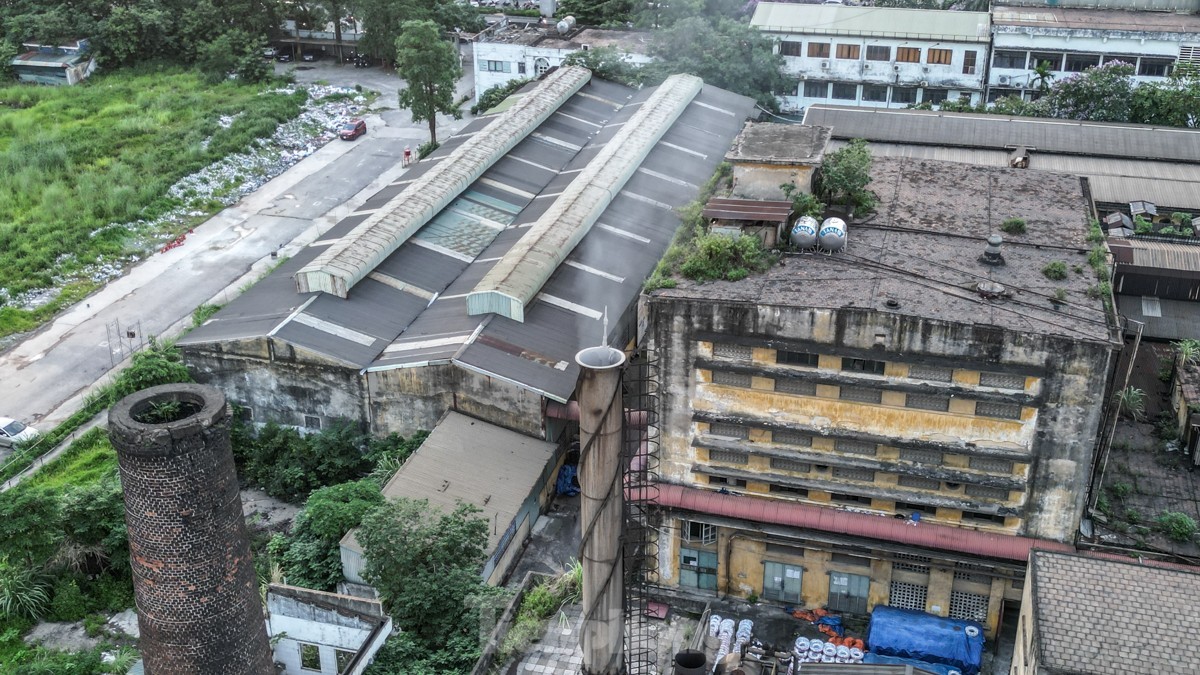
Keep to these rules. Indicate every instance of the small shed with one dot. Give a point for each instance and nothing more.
(69, 63)
(762, 218)
(508, 475)
(766, 155)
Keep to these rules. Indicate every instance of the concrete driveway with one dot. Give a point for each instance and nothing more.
(46, 375)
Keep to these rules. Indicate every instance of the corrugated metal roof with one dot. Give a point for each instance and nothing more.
(468, 460)
(356, 255)
(747, 209)
(872, 21)
(794, 514)
(1096, 19)
(1176, 320)
(512, 284)
(1157, 254)
(1040, 135)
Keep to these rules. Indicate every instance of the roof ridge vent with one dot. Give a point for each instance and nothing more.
(355, 255)
(991, 253)
(516, 279)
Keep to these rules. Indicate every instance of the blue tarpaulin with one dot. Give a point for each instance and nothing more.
(935, 668)
(566, 484)
(910, 634)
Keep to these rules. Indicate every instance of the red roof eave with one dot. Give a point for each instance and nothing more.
(791, 514)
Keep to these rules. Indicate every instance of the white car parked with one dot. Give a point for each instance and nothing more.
(13, 432)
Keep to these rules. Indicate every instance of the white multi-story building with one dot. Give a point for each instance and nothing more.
(1072, 40)
(511, 50)
(875, 56)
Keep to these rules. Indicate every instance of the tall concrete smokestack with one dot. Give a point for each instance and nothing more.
(193, 578)
(601, 416)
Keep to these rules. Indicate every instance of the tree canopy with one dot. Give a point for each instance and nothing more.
(724, 52)
(430, 67)
(310, 556)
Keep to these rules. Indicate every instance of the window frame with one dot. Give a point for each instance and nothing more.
(789, 576)
(970, 62)
(697, 532)
(1037, 58)
(1008, 56)
(1079, 66)
(851, 52)
(792, 48)
(790, 358)
(813, 85)
(705, 577)
(848, 601)
(302, 647)
(908, 54)
(880, 90)
(885, 50)
(818, 50)
(865, 366)
(1145, 61)
(937, 56)
(843, 88)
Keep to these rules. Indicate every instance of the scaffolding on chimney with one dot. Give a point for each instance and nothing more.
(640, 537)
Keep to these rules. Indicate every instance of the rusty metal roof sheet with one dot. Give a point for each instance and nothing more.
(1156, 254)
(747, 209)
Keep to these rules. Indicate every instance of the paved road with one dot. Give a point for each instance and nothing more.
(45, 376)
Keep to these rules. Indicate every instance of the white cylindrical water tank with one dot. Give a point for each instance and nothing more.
(804, 232)
(563, 27)
(832, 235)
(570, 21)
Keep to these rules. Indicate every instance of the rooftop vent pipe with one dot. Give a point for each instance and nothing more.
(991, 254)
(601, 432)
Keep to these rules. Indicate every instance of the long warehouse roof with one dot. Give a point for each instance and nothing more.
(410, 309)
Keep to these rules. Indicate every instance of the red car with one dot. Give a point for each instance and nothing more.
(352, 130)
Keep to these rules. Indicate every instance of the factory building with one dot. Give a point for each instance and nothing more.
(896, 422)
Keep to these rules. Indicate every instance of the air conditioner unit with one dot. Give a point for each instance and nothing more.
(1003, 79)
(924, 83)
(866, 66)
(896, 67)
(924, 69)
(824, 64)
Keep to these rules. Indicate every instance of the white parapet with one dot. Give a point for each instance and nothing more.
(354, 256)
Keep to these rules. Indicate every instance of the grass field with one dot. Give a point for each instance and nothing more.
(79, 163)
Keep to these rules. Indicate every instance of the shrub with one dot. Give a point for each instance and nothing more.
(425, 149)
(717, 256)
(845, 175)
(204, 313)
(495, 95)
(1013, 226)
(23, 590)
(1177, 526)
(1132, 402)
(1055, 271)
(1188, 351)
(1121, 490)
(69, 603)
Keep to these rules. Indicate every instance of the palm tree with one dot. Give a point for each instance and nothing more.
(1042, 76)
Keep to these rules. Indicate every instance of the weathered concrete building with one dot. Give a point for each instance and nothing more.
(875, 56)
(320, 632)
(896, 423)
(1078, 610)
(471, 282)
(1070, 39)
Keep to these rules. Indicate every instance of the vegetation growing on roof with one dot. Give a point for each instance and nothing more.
(845, 175)
(1055, 271)
(494, 96)
(1013, 226)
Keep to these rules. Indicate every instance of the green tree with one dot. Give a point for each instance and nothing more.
(1174, 102)
(427, 564)
(607, 63)
(845, 175)
(1042, 76)
(310, 555)
(130, 33)
(159, 363)
(598, 13)
(430, 67)
(725, 53)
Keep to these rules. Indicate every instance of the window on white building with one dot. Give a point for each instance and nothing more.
(848, 52)
(540, 66)
(816, 90)
(818, 50)
(1077, 63)
(904, 94)
(1154, 67)
(969, 62)
(310, 657)
(495, 66)
(790, 48)
(908, 54)
(879, 53)
(1009, 59)
(521, 67)
(940, 57)
(1052, 60)
(874, 92)
(845, 91)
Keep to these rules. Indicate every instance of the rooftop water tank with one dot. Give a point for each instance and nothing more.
(832, 235)
(804, 232)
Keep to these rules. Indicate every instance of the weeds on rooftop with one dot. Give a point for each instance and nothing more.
(1013, 226)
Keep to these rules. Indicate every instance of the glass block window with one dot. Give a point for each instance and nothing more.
(728, 350)
(851, 473)
(797, 358)
(919, 482)
(908, 596)
(921, 455)
(791, 438)
(860, 394)
(788, 491)
(919, 371)
(693, 532)
(863, 366)
(788, 385)
(968, 606)
(729, 378)
(781, 581)
(728, 430)
(855, 447)
(927, 402)
(728, 456)
(1002, 381)
(1005, 411)
(985, 492)
(993, 464)
(911, 563)
(790, 465)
